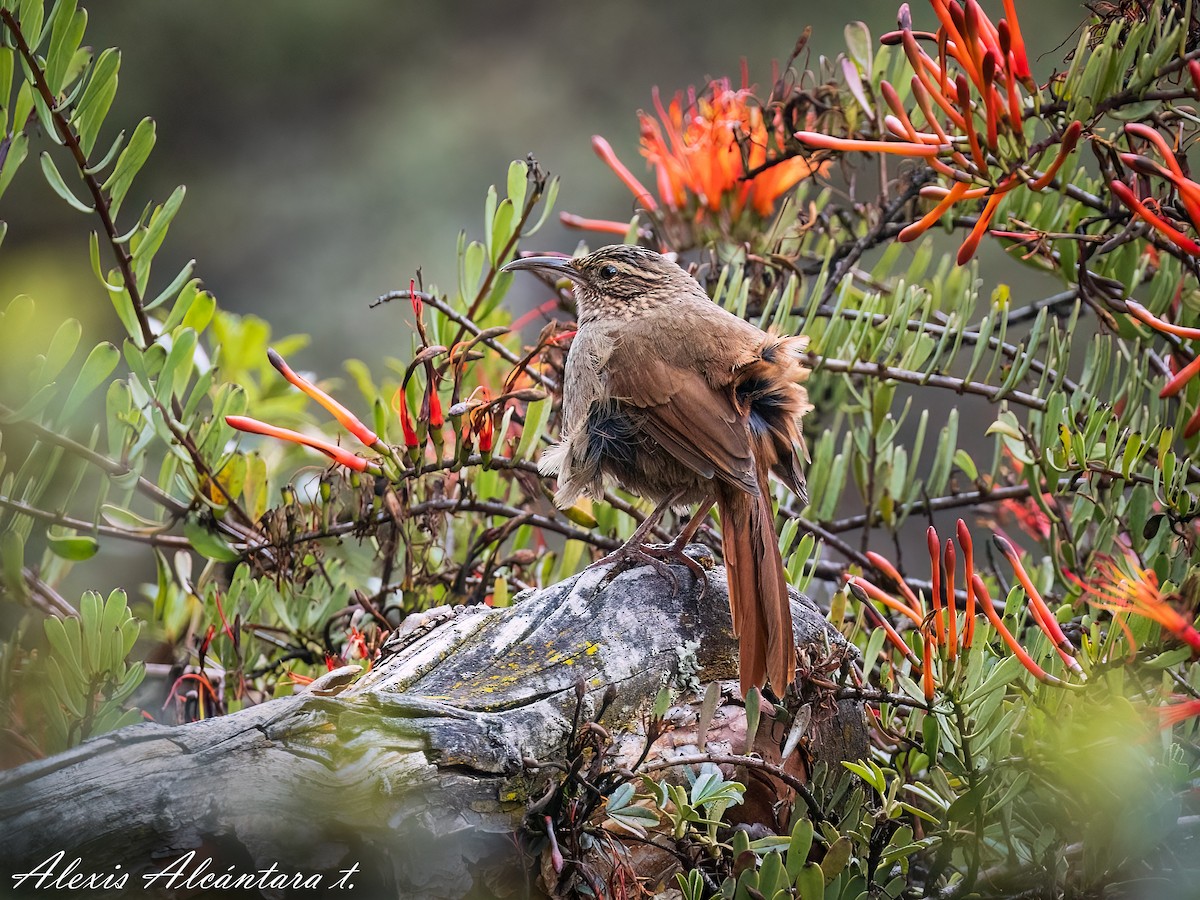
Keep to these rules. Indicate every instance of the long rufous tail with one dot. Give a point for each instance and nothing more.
(758, 593)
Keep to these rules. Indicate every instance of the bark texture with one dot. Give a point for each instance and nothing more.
(422, 771)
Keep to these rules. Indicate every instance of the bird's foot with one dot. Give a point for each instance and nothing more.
(658, 557)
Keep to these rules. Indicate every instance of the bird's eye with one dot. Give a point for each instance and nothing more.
(607, 271)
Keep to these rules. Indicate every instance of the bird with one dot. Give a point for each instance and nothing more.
(681, 402)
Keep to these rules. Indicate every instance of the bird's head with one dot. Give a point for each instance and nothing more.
(617, 281)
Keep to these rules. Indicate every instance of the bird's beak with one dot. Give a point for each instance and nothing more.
(555, 266)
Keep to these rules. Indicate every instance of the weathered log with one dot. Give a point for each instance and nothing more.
(417, 776)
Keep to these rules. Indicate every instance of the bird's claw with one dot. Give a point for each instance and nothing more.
(658, 557)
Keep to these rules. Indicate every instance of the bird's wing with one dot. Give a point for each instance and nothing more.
(695, 423)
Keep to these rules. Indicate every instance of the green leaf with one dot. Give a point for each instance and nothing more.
(472, 268)
(65, 692)
(73, 547)
(518, 182)
(502, 232)
(96, 369)
(131, 160)
(810, 882)
(88, 625)
(551, 196)
(66, 31)
(129, 521)
(98, 269)
(837, 857)
(177, 370)
(97, 98)
(208, 544)
(6, 77)
(34, 405)
(537, 414)
(160, 220)
(32, 17)
(798, 849)
(771, 875)
(98, 167)
(173, 289)
(12, 559)
(17, 151)
(201, 311)
(123, 304)
(753, 713)
(55, 180)
(858, 42)
(62, 348)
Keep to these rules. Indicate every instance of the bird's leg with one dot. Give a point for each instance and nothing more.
(636, 549)
(674, 550)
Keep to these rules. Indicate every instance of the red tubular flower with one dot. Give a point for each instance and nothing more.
(1177, 381)
(882, 564)
(918, 228)
(1131, 200)
(1069, 139)
(1192, 428)
(1020, 61)
(1174, 713)
(971, 244)
(1180, 378)
(697, 151)
(1142, 314)
(935, 568)
(898, 148)
(948, 566)
(1041, 612)
(964, 541)
(605, 151)
(1013, 644)
(862, 590)
(1189, 191)
(417, 305)
(345, 418)
(885, 598)
(1139, 594)
(334, 452)
(433, 407)
(927, 665)
(484, 425)
(604, 226)
(400, 405)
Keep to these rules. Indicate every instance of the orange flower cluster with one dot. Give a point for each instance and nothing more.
(942, 633)
(1188, 193)
(969, 97)
(703, 153)
(1138, 594)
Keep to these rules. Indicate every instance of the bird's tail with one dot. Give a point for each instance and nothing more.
(758, 592)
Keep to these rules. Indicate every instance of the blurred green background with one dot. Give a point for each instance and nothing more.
(330, 149)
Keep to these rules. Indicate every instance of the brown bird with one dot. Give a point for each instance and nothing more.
(682, 402)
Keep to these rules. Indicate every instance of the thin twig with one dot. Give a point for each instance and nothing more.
(110, 466)
(992, 392)
(43, 515)
(71, 140)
